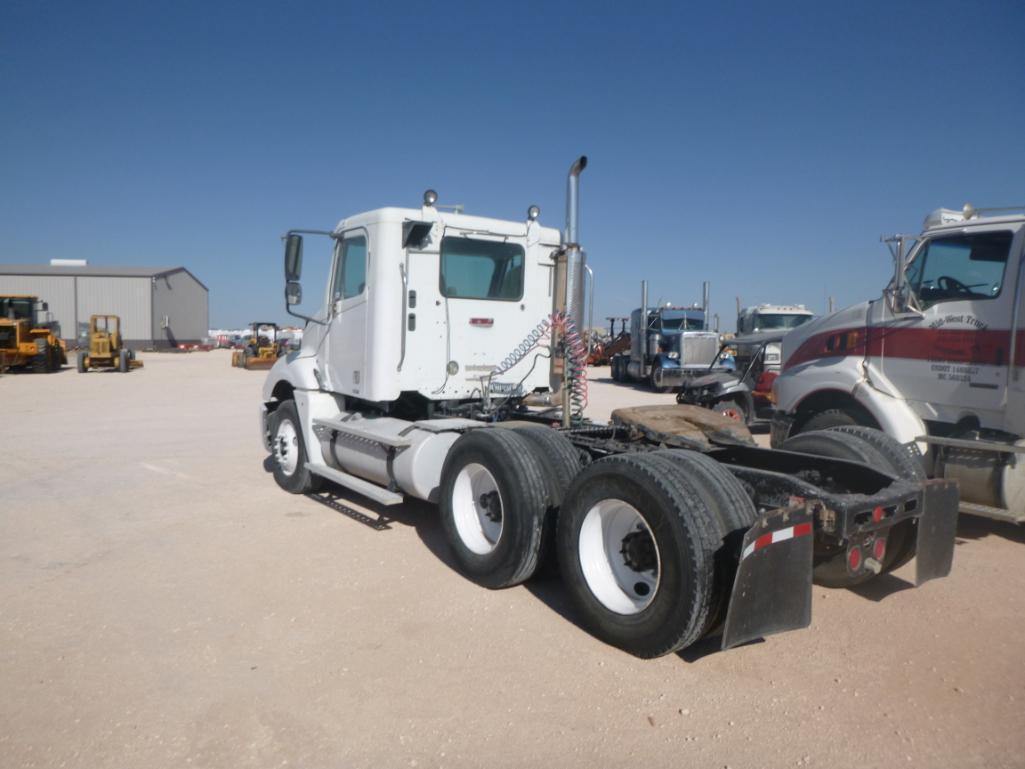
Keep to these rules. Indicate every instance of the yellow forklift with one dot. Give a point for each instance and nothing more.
(26, 341)
(105, 347)
(261, 349)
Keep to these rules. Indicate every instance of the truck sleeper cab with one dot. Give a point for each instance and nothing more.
(669, 524)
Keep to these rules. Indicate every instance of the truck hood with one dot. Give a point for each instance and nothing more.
(851, 317)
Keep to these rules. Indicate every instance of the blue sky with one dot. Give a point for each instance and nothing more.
(761, 146)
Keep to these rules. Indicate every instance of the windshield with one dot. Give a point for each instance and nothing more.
(960, 267)
(777, 321)
(678, 321)
(15, 309)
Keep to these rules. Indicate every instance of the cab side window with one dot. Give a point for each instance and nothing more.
(960, 267)
(351, 269)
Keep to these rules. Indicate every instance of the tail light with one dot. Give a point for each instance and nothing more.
(879, 549)
(854, 558)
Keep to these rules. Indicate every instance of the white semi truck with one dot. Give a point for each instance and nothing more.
(446, 365)
(937, 363)
(771, 317)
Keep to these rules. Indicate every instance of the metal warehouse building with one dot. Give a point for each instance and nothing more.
(158, 306)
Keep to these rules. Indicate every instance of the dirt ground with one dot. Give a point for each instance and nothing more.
(164, 604)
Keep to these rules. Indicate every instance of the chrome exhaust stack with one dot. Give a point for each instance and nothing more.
(575, 257)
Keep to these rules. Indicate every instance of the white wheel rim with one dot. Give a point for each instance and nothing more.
(614, 541)
(286, 447)
(477, 509)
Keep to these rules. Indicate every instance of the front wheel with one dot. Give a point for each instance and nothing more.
(289, 451)
(655, 379)
(122, 361)
(82, 361)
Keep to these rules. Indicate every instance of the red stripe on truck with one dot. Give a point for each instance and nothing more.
(988, 347)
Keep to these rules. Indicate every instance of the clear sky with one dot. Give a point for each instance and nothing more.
(763, 146)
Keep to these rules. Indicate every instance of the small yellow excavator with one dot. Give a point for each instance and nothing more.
(26, 341)
(261, 349)
(105, 347)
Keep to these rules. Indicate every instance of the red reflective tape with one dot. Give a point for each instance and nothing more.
(986, 347)
(803, 529)
(763, 541)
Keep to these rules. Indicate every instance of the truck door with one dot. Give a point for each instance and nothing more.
(348, 308)
(952, 358)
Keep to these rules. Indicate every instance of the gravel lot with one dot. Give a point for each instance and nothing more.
(164, 604)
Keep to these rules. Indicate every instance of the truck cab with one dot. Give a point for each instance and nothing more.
(772, 317)
(667, 345)
(937, 361)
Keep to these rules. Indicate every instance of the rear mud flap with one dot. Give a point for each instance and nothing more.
(937, 530)
(772, 589)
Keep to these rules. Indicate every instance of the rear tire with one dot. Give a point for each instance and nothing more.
(288, 449)
(82, 357)
(560, 465)
(736, 513)
(494, 499)
(636, 546)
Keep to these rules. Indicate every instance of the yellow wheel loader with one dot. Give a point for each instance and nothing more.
(27, 340)
(106, 349)
(261, 349)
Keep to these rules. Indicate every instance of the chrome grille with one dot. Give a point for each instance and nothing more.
(698, 348)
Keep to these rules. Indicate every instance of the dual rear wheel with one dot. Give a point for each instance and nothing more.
(647, 544)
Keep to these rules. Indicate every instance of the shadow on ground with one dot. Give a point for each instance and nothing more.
(973, 527)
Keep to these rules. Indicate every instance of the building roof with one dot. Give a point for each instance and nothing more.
(93, 271)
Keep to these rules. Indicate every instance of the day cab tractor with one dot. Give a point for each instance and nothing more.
(936, 363)
(27, 340)
(667, 344)
(260, 350)
(446, 364)
(106, 349)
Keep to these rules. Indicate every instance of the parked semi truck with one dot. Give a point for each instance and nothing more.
(772, 317)
(937, 363)
(446, 364)
(667, 344)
